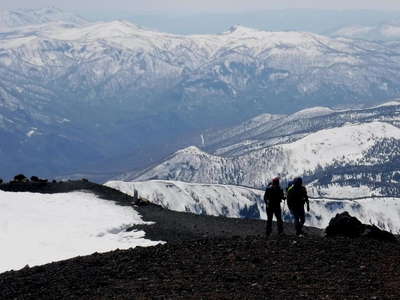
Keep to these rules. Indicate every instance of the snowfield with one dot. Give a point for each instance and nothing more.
(41, 228)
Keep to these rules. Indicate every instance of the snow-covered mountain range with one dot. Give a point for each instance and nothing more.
(113, 93)
(337, 147)
(23, 17)
(389, 31)
(349, 160)
(310, 143)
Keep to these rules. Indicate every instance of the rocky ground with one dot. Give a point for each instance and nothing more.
(217, 258)
(239, 268)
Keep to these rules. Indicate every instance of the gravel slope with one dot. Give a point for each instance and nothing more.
(285, 268)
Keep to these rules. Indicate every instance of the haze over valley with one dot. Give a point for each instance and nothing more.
(145, 143)
(99, 99)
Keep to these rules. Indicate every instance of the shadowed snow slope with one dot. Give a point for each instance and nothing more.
(40, 228)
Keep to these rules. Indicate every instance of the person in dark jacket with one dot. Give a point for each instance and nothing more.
(296, 198)
(273, 197)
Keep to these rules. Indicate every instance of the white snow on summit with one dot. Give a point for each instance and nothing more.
(344, 144)
(312, 112)
(38, 228)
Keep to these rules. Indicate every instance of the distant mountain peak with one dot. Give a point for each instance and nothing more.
(313, 112)
(191, 150)
(388, 31)
(239, 29)
(24, 17)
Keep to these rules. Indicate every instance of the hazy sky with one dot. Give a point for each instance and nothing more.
(190, 6)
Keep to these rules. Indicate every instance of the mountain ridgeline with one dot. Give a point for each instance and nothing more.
(359, 147)
(349, 160)
(92, 98)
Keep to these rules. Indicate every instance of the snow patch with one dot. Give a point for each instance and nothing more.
(40, 228)
(312, 112)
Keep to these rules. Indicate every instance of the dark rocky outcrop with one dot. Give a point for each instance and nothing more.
(20, 178)
(374, 232)
(344, 224)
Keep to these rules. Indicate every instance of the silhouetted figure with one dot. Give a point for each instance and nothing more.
(273, 197)
(135, 195)
(296, 198)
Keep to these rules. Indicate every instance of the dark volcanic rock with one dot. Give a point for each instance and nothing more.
(374, 232)
(345, 225)
(234, 268)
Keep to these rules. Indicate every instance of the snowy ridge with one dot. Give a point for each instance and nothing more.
(24, 17)
(312, 112)
(324, 148)
(214, 200)
(280, 129)
(58, 226)
(235, 201)
(383, 32)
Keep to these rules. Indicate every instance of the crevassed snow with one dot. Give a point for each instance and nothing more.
(40, 228)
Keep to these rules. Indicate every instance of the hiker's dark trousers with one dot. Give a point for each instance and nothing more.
(299, 216)
(271, 211)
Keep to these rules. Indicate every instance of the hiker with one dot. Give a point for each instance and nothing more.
(290, 183)
(296, 198)
(273, 197)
